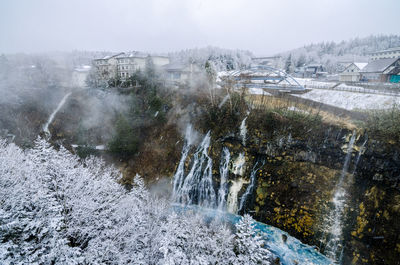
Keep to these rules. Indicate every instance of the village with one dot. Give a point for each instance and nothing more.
(372, 84)
(382, 69)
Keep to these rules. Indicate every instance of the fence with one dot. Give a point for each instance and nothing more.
(380, 89)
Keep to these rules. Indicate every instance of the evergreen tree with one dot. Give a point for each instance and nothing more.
(124, 142)
(249, 244)
(288, 64)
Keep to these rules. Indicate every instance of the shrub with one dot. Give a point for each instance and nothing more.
(124, 142)
(384, 124)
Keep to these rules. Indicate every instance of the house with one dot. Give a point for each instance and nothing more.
(381, 70)
(271, 61)
(386, 54)
(79, 75)
(180, 73)
(314, 70)
(352, 72)
(160, 60)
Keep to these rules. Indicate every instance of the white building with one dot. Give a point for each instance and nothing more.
(79, 76)
(128, 64)
(180, 73)
(124, 65)
(160, 60)
(386, 54)
(106, 67)
(352, 72)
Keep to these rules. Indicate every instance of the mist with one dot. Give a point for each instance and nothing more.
(263, 27)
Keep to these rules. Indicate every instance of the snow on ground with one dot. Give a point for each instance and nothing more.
(258, 91)
(309, 82)
(97, 147)
(351, 100)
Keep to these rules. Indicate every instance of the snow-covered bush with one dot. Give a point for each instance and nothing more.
(55, 209)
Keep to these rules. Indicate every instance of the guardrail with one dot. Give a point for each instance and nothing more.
(383, 90)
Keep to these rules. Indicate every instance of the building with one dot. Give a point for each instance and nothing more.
(352, 72)
(180, 73)
(386, 54)
(124, 65)
(79, 76)
(313, 70)
(382, 70)
(271, 61)
(128, 64)
(160, 60)
(106, 67)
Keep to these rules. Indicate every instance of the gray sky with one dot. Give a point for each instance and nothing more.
(262, 26)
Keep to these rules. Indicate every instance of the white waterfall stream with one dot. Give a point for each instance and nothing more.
(232, 201)
(180, 171)
(250, 188)
(197, 187)
(53, 114)
(334, 246)
(243, 131)
(223, 172)
(238, 165)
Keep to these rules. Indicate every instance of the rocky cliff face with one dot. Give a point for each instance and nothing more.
(298, 179)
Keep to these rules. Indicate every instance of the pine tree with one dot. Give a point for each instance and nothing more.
(249, 244)
(288, 64)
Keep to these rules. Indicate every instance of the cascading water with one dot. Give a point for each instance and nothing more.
(223, 171)
(360, 152)
(243, 131)
(233, 195)
(250, 188)
(197, 187)
(53, 114)
(180, 172)
(334, 245)
(238, 165)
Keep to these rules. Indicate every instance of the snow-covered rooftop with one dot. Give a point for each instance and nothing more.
(388, 50)
(378, 66)
(361, 65)
(83, 68)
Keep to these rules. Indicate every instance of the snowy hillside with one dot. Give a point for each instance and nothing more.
(222, 59)
(331, 53)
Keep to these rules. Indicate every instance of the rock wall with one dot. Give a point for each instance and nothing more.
(296, 184)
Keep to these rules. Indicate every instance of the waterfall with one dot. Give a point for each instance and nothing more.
(360, 152)
(243, 131)
(238, 165)
(180, 171)
(250, 188)
(53, 114)
(334, 246)
(223, 171)
(197, 187)
(233, 194)
(223, 101)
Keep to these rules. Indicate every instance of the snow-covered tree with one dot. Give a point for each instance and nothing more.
(249, 244)
(56, 209)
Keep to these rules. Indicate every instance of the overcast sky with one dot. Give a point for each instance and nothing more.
(262, 26)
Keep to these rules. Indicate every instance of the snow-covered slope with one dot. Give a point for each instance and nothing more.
(351, 100)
